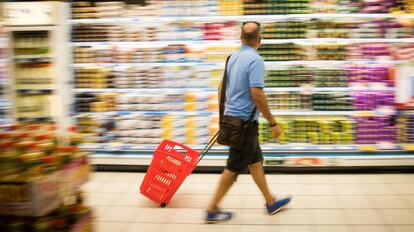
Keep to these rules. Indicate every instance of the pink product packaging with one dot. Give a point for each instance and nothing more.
(371, 100)
(371, 130)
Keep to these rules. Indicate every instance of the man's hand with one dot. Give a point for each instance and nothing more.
(276, 131)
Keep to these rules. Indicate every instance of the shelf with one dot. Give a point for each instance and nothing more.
(35, 119)
(275, 112)
(331, 62)
(265, 147)
(163, 19)
(152, 113)
(171, 64)
(161, 43)
(33, 60)
(311, 113)
(186, 90)
(333, 160)
(146, 90)
(291, 155)
(4, 106)
(4, 81)
(33, 56)
(5, 121)
(218, 64)
(34, 91)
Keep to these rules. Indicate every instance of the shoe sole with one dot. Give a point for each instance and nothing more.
(276, 211)
(279, 209)
(215, 222)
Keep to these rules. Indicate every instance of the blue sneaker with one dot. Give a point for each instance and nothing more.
(219, 216)
(278, 205)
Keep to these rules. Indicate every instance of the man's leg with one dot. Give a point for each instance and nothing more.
(257, 172)
(226, 181)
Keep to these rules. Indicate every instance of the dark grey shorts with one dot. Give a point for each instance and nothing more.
(249, 153)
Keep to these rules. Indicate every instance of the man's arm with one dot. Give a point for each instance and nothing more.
(260, 101)
(219, 91)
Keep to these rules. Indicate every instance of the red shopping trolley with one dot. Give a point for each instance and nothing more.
(171, 164)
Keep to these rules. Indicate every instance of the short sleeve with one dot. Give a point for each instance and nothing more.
(255, 72)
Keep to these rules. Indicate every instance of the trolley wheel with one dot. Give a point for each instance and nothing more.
(163, 205)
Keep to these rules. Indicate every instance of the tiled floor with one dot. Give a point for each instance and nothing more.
(321, 203)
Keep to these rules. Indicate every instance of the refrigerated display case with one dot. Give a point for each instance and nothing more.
(5, 103)
(147, 72)
(39, 56)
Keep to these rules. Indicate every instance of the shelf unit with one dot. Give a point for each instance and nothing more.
(39, 60)
(275, 155)
(161, 43)
(164, 19)
(5, 101)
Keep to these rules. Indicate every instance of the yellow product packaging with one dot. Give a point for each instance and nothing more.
(325, 138)
(190, 106)
(213, 106)
(313, 137)
(337, 137)
(190, 97)
(325, 126)
(166, 122)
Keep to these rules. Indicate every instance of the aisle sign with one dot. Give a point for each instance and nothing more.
(30, 13)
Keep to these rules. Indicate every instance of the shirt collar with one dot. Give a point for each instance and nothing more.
(246, 47)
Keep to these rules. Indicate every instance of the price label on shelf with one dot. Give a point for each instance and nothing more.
(385, 110)
(408, 147)
(378, 86)
(367, 148)
(358, 87)
(386, 146)
(364, 113)
(307, 89)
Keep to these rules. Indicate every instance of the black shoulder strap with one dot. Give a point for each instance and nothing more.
(223, 94)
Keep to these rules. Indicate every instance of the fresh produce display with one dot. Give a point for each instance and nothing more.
(41, 170)
(72, 217)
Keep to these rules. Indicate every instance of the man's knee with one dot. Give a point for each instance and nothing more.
(256, 165)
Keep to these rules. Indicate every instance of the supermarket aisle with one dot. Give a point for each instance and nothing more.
(363, 202)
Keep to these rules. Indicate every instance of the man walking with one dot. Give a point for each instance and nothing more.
(244, 91)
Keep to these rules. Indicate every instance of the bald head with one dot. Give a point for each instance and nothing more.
(250, 33)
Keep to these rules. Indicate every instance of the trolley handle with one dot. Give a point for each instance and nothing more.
(207, 148)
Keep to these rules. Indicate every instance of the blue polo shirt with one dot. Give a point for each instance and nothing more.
(244, 71)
